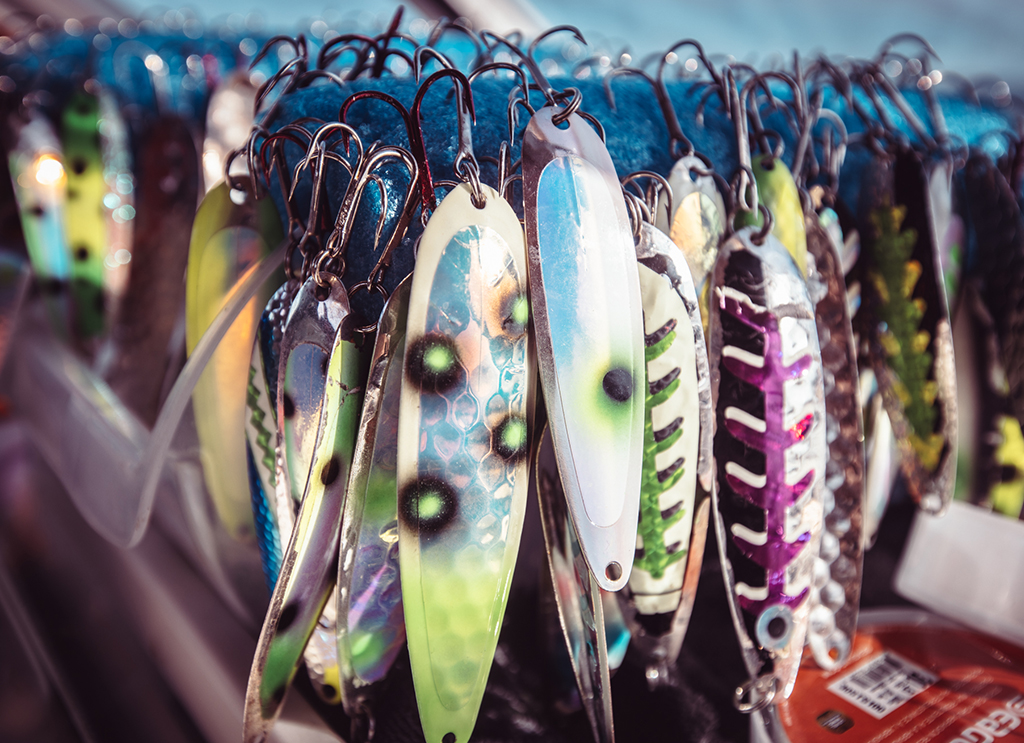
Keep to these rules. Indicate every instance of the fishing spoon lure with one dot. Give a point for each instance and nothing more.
(307, 572)
(463, 439)
(678, 459)
(770, 453)
(371, 622)
(904, 321)
(588, 319)
(577, 596)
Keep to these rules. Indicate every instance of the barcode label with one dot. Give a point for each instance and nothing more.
(882, 684)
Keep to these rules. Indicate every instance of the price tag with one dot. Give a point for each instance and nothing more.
(882, 684)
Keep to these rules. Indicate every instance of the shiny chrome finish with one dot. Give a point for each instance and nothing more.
(308, 568)
(310, 334)
(697, 222)
(835, 596)
(770, 449)
(463, 451)
(577, 595)
(371, 622)
(585, 294)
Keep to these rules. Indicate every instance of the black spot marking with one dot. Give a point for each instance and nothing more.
(72, 194)
(37, 211)
(670, 470)
(673, 548)
(510, 438)
(78, 165)
(287, 618)
(448, 738)
(1008, 473)
(330, 692)
(613, 571)
(432, 363)
(83, 108)
(660, 333)
(427, 505)
(618, 384)
(330, 471)
(777, 627)
(659, 384)
(289, 406)
(768, 162)
(663, 433)
(81, 253)
(671, 511)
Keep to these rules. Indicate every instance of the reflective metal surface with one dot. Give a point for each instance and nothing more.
(463, 464)
(835, 595)
(589, 324)
(308, 570)
(577, 596)
(770, 448)
(905, 320)
(371, 622)
(697, 223)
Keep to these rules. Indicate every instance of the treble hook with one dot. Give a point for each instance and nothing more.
(428, 51)
(319, 151)
(744, 186)
(676, 139)
(298, 45)
(908, 113)
(551, 96)
(465, 165)
(445, 25)
(337, 46)
(760, 80)
(337, 242)
(383, 42)
(888, 45)
(428, 199)
(835, 152)
(653, 193)
(716, 77)
(291, 71)
(514, 102)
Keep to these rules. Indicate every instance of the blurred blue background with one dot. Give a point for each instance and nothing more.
(980, 40)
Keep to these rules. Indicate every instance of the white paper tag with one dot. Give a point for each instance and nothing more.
(882, 684)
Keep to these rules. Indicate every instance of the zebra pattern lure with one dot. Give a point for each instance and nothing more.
(770, 449)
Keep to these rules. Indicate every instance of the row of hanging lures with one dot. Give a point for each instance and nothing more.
(638, 449)
(106, 195)
(696, 363)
